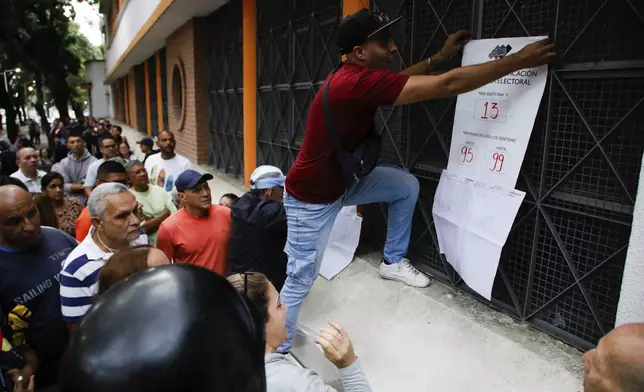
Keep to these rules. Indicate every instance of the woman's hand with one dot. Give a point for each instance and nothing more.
(20, 381)
(336, 345)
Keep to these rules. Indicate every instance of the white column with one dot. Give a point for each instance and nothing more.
(631, 301)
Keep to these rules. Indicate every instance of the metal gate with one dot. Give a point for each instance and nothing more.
(296, 51)
(226, 91)
(561, 268)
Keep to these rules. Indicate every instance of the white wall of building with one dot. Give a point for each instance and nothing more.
(631, 300)
(101, 94)
(133, 17)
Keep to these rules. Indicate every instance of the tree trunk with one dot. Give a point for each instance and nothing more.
(5, 102)
(78, 111)
(40, 98)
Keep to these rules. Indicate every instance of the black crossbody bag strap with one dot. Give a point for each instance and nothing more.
(328, 120)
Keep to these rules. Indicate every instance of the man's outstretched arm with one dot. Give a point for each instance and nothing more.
(464, 79)
(452, 46)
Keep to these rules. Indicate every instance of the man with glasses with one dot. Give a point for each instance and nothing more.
(199, 232)
(341, 119)
(110, 152)
(258, 232)
(114, 214)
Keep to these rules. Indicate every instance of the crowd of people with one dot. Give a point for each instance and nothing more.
(119, 274)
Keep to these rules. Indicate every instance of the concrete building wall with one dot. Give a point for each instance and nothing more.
(187, 49)
(101, 94)
(631, 300)
(133, 16)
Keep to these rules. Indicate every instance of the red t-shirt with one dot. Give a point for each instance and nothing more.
(355, 93)
(83, 224)
(199, 241)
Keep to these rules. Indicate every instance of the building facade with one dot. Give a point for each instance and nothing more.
(233, 80)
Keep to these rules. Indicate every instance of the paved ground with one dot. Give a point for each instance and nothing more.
(434, 339)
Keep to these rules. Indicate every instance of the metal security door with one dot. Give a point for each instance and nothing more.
(562, 266)
(226, 91)
(296, 51)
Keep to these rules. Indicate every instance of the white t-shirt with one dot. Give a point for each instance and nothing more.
(164, 172)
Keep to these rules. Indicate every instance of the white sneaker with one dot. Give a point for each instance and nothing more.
(404, 272)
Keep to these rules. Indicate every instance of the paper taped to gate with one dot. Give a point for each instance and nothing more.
(473, 220)
(343, 242)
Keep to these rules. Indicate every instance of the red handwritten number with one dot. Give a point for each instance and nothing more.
(468, 156)
(498, 162)
(494, 109)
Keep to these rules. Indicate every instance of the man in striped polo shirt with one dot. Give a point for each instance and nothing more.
(115, 226)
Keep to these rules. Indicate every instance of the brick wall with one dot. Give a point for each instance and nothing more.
(189, 46)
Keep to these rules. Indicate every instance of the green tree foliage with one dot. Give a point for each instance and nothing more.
(39, 37)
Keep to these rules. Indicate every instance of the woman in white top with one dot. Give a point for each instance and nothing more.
(281, 374)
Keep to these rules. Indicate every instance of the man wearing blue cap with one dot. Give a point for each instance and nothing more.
(258, 232)
(336, 165)
(199, 232)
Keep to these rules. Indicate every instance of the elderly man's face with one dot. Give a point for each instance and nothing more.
(121, 223)
(28, 160)
(19, 221)
(139, 176)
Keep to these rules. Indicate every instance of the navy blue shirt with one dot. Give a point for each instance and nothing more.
(30, 278)
(257, 238)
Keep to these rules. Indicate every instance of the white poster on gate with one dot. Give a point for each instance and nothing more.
(476, 203)
(493, 124)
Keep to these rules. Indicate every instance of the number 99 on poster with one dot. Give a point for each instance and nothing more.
(497, 160)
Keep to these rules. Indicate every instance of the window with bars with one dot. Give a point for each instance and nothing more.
(226, 91)
(296, 51)
(139, 91)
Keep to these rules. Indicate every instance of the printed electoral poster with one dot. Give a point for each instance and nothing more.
(492, 125)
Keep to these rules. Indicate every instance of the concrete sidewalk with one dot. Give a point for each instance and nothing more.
(433, 339)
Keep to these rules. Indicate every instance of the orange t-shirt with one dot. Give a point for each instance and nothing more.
(199, 241)
(83, 224)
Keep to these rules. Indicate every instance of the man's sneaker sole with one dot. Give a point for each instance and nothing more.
(401, 280)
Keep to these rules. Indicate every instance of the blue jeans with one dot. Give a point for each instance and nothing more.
(309, 226)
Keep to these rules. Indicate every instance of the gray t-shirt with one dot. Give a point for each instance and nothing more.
(284, 376)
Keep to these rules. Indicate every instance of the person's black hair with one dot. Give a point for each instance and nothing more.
(230, 196)
(108, 167)
(49, 177)
(100, 140)
(118, 128)
(4, 145)
(76, 133)
(24, 143)
(6, 180)
(212, 339)
(45, 204)
(257, 192)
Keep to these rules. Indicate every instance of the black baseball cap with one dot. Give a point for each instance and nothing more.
(359, 27)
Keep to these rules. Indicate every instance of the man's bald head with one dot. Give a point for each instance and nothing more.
(19, 218)
(617, 364)
(27, 159)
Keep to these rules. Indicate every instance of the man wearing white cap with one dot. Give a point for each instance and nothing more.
(258, 232)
